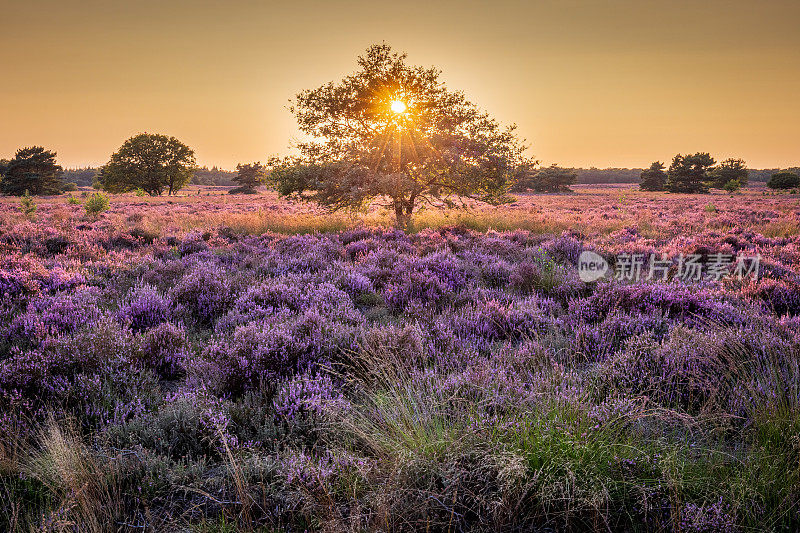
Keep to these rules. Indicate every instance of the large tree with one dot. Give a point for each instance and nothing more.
(395, 133)
(653, 178)
(33, 169)
(151, 162)
(249, 176)
(689, 173)
(730, 170)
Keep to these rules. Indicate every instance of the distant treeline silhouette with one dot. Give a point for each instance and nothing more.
(84, 177)
(631, 175)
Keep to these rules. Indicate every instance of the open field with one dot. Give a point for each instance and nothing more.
(211, 362)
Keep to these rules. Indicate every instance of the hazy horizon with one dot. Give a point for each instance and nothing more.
(603, 84)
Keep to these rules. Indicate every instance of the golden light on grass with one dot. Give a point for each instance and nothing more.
(398, 106)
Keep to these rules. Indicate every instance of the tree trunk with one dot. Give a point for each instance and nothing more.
(402, 215)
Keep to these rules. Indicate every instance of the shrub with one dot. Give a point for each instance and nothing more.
(732, 185)
(87, 374)
(64, 312)
(96, 204)
(243, 190)
(783, 181)
(165, 349)
(27, 206)
(308, 395)
(188, 427)
(255, 354)
(144, 307)
(204, 293)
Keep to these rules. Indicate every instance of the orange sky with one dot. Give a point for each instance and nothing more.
(591, 82)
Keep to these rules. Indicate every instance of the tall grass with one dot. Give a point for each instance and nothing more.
(83, 490)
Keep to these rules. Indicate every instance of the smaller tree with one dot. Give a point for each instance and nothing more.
(728, 171)
(783, 181)
(653, 178)
(96, 204)
(151, 162)
(548, 179)
(34, 170)
(249, 176)
(732, 186)
(27, 206)
(689, 173)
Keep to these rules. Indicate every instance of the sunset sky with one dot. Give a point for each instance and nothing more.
(602, 83)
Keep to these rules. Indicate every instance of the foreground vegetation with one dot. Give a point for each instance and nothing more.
(174, 364)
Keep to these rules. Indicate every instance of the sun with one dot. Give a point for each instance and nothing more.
(398, 106)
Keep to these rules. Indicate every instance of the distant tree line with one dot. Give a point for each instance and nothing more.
(217, 177)
(157, 163)
(764, 175)
(699, 172)
(594, 175)
(82, 177)
(695, 173)
(213, 177)
(547, 179)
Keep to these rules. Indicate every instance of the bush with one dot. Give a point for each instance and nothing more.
(96, 204)
(144, 308)
(165, 349)
(732, 186)
(243, 190)
(783, 181)
(255, 354)
(187, 428)
(64, 312)
(87, 374)
(27, 206)
(69, 187)
(204, 293)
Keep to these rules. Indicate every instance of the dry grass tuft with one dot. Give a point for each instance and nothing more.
(87, 498)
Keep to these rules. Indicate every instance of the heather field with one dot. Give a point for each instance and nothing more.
(212, 362)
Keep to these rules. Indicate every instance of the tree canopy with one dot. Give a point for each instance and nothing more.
(729, 171)
(689, 173)
(250, 175)
(653, 178)
(395, 132)
(151, 162)
(32, 169)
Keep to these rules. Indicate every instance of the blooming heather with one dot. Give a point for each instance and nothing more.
(225, 364)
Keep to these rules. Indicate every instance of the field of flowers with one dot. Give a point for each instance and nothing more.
(215, 363)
